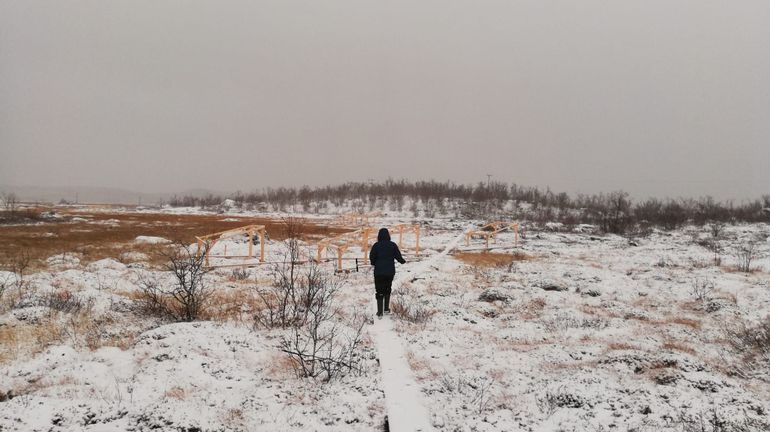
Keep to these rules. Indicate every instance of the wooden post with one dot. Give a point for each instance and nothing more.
(318, 253)
(364, 241)
(261, 245)
(516, 235)
(417, 242)
(339, 258)
(251, 243)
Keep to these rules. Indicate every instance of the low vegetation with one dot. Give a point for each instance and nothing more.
(613, 212)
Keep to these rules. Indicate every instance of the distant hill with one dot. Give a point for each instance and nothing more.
(93, 195)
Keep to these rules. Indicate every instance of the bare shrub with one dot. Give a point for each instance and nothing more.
(745, 254)
(491, 259)
(477, 391)
(751, 341)
(15, 290)
(407, 306)
(714, 244)
(287, 302)
(702, 289)
(563, 322)
(563, 397)
(240, 274)
(10, 202)
(153, 299)
(62, 301)
(713, 420)
(5, 283)
(323, 344)
(187, 296)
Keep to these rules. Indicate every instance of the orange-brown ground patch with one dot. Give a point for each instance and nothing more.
(490, 259)
(95, 239)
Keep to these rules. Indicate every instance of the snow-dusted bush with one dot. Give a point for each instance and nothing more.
(477, 392)
(702, 289)
(240, 274)
(319, 342)
(745, 254)
(407, 306)
(325, 346)
(295, 289)
(752, 342)
(187, 296)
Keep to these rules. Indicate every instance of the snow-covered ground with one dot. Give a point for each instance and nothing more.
(582, 332)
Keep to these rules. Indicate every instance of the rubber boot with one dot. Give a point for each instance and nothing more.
(379, 305)
(386, 303)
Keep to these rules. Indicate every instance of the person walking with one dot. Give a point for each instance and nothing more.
(382, 257)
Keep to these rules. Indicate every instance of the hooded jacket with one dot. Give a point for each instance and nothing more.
(383, 253)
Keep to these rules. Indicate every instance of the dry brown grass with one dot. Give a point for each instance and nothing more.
(570, 366)
(532, 309)
(177, 393)
(234, 305)
(94, 239)
(672, 345)
(233, 417)
(735, 269)
(599, 311)
(687, 322)
(422, 368)
(22, 341)
(281, 366)
(490, 259)
(411, 310)
(620, 346)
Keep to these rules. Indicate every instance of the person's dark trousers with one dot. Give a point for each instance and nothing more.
(382, 285)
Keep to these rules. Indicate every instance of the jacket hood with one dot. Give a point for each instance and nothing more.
(383, 235)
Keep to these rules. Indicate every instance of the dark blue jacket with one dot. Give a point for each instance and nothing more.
(383, 253)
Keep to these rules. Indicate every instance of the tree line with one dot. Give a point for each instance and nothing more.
(613, 212)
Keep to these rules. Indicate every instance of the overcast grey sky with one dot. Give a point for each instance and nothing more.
(657, 97)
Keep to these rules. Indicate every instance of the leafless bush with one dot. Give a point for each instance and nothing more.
(551, 401)
(702, 289)
(407, 306)
(10, 201)
(154, 299)
(713, 420)
(289, 300)
(62, 301)
(562, 322)
(240, 274)
(751, 341)
(745, 254)
(18, 289)
(716, 230)
(324, 348)
(186, 297)
(320, 343)
(478, 391)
